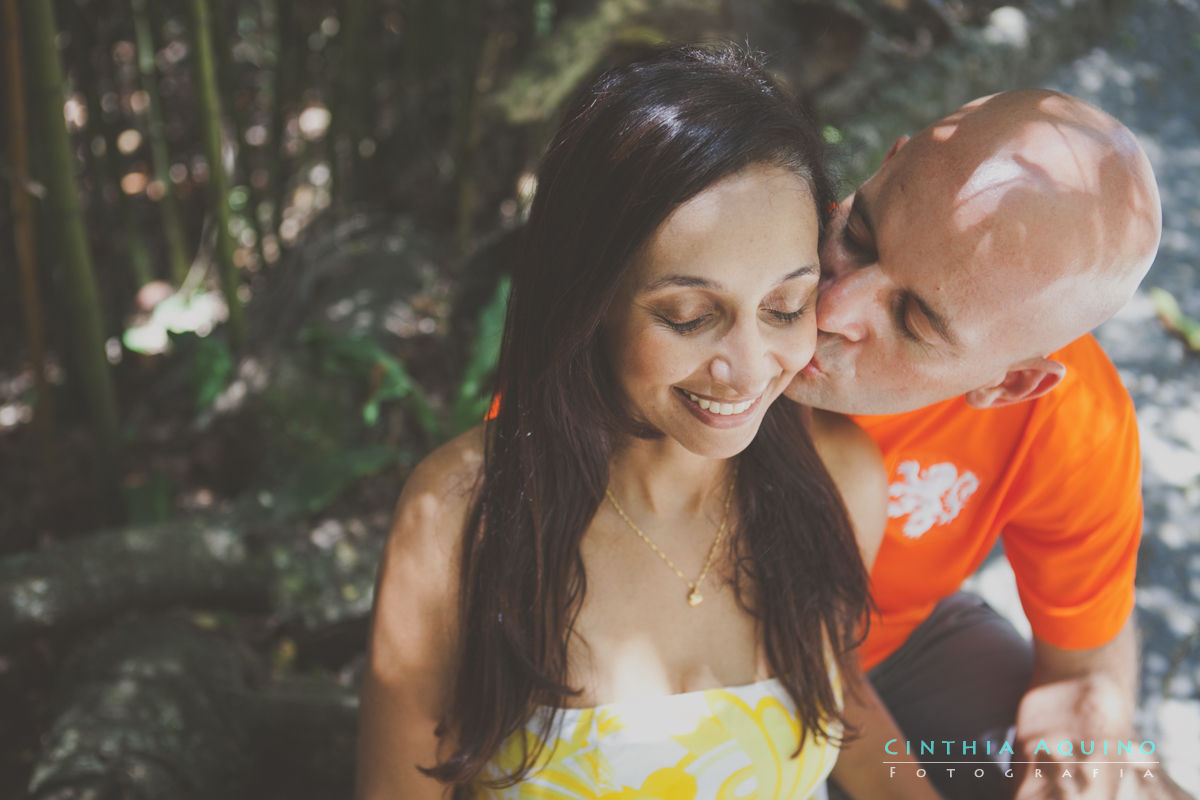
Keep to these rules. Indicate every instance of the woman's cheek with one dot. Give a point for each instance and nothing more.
(657, 357)
(798, 347)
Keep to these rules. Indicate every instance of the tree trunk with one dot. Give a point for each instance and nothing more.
(97, 576)
(210, 122)
(153, 709)
(177, 258)
(24, 234)
(160, 709)
(62, 206)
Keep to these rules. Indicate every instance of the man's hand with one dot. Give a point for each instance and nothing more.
(1079, 700)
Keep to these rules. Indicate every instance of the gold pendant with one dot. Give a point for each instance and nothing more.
(694, 598)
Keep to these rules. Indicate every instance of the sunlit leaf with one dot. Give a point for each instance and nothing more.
(1173, 318)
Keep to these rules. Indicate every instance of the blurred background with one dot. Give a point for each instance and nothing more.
(253, 270)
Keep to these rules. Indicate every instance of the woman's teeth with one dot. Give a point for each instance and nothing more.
(724, 409)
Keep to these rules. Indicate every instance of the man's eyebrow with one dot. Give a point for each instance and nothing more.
(695, 282)
(936, 321)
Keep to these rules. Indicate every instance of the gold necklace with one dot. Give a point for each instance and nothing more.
(694, 597)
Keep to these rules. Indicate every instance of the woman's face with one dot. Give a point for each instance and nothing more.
(717, 314)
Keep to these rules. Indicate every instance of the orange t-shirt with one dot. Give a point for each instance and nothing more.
(1059, 478)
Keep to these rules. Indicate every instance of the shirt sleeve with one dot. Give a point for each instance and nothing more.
(1074, 539)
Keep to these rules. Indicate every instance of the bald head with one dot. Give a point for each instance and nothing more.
(1055, 191)
(992, 238)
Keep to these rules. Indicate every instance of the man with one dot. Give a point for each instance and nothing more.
(957, 283)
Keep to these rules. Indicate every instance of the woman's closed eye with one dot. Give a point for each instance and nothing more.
(686, 325)
(788, 317)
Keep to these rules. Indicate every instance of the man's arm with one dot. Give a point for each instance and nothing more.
(1085, 696)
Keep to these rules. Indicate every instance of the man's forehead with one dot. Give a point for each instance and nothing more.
(967, 248)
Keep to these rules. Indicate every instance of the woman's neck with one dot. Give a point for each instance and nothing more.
(662, 479)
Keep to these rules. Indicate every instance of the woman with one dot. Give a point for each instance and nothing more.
(638, 579)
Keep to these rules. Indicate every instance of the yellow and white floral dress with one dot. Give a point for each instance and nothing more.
(733, 743)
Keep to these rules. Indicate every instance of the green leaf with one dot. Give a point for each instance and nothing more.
(364, 358)
(1174, 320)
(151, 500)
(321, 480)
(471, 402)
(209, 370)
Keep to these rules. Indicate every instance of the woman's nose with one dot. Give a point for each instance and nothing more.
(744, 364)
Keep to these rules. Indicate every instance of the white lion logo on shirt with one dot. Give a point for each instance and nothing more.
(931, 496)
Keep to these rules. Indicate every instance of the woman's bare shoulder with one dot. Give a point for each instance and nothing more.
(441, 488)
(407, 683)
(856, 466)
(422, 552)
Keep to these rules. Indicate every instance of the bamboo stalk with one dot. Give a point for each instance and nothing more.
(62, 204)
(23, 235)
(283, 24)
(218, 184)
(227, 86)
(177, 258)
(108, 170)
(349, 102)
(468, 46)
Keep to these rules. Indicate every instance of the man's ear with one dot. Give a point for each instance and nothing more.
(900, 142)
(1024, 381)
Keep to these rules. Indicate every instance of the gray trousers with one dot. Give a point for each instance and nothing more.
(958, 678)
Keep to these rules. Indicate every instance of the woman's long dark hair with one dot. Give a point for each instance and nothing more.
(637, 143)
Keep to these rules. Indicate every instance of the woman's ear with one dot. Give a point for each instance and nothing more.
(1024, 381)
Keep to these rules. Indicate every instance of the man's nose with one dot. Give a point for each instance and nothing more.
(851, 302)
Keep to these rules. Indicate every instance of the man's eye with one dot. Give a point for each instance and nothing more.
(900, 312)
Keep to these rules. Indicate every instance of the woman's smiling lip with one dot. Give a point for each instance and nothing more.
(719, 413)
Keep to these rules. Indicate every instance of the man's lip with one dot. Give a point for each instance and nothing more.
(813, 367)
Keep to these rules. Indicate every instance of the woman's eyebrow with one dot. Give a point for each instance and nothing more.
(696, 282)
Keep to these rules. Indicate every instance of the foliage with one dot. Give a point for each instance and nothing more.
(473, 397)
(150, 500)
(362, 358)
(322, 477)
(209, 369)
(1174, 320)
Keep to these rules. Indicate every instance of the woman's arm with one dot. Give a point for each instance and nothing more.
(411, 663)
(855, 465)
